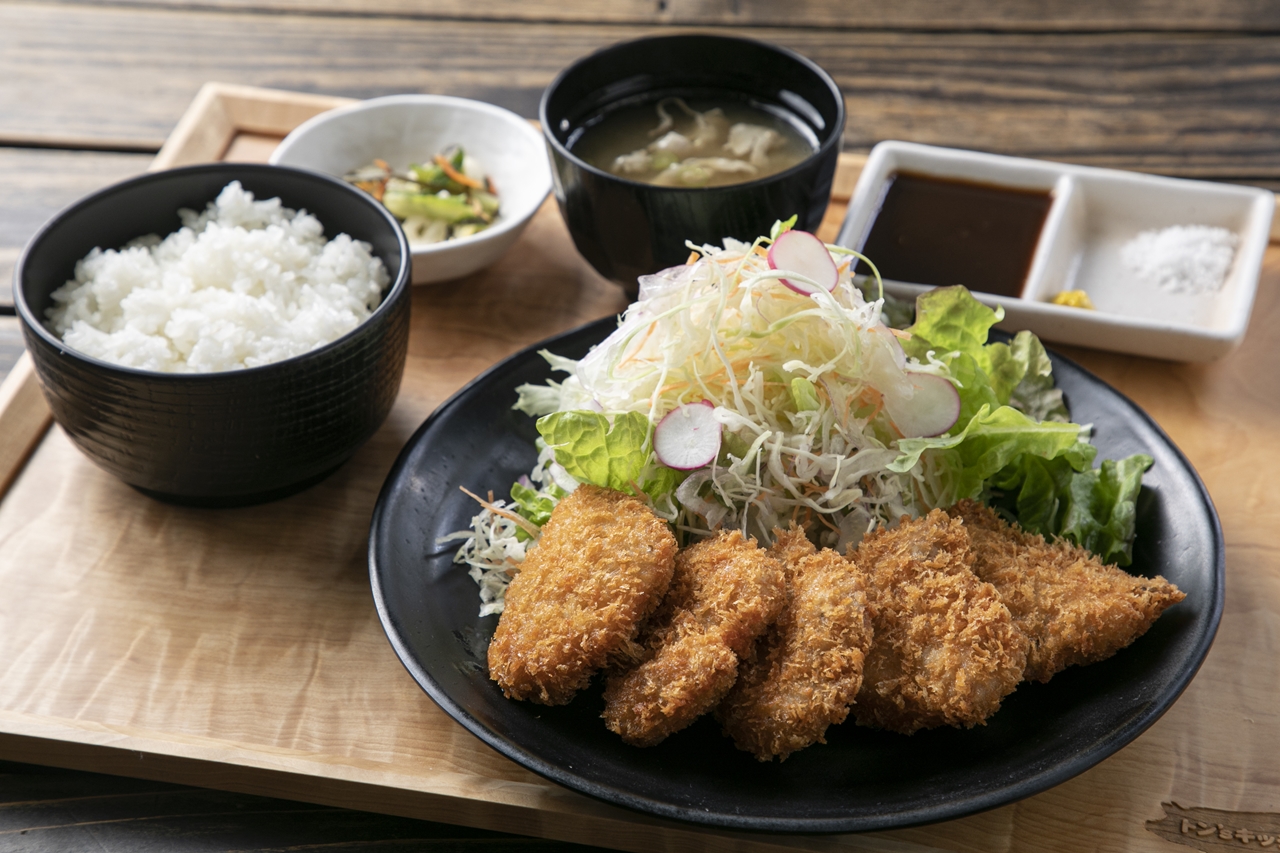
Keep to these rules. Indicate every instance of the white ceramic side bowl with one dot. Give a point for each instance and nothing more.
(404, 129)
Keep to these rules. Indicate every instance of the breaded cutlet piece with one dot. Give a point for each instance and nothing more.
(601, 566)
(791, 546)
(946, 650)
(725, 592)
(807, 668)
(1072, 607)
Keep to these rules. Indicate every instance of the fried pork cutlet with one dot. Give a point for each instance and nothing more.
(725, 592)
(945, 651)
(601, 566)
(1072, 608)
(807, 668)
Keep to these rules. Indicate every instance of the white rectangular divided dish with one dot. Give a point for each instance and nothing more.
(1092, 215)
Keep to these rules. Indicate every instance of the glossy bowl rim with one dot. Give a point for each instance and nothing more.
(514, 120)
(835, 139)
(37, 327)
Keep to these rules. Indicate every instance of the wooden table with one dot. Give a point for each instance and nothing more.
(88, 91)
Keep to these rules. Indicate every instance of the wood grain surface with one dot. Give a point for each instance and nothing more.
(1184, 103)
(240, 649)
(24, 416)
(38, 183)
(114, 599)
(995, 15)
(11, 346)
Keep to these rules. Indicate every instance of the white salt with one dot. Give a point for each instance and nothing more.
(1190, 259)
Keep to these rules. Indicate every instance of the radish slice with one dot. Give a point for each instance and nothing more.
(688, 437)
(929, 407)
(802, 253)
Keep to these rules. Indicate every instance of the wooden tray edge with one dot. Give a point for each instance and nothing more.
(559, 814)
(24, 417)
(222, 110)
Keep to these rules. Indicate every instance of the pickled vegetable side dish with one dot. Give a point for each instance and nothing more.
(446, 198)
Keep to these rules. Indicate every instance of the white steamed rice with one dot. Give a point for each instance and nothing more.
(244, 283)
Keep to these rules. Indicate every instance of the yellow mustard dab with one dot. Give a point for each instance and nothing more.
(1073, 299)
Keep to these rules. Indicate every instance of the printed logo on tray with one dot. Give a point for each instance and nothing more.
(1214, 829)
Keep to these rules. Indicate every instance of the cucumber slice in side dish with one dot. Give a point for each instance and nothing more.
(451, 209)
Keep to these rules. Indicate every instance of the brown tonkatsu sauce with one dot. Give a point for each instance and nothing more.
(940, 231)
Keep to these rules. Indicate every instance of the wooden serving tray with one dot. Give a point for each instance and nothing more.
(240, 649)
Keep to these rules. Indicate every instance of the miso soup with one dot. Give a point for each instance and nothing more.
(676, 142)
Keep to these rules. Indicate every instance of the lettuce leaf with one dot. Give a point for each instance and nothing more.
(1102, 507)
(1095, 508)
(958, 466)
(593, 449)
(534, 505)
(954, 326)
(1035, 394)
(1012, 442)
(612, 453)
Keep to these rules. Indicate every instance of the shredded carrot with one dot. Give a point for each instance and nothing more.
(760, 250)
(520, 521)
(877, 400)
(693, 256)
(808, 515)
(454, 174)
(900, 334)
(373, 188)
(827, 522)
(640, 493)
(382, 164)
(631, 355)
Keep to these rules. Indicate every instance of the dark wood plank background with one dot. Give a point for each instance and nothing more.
(89, 90)
(1195, 103)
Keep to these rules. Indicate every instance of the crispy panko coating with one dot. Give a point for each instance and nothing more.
(791, 546)
(725, 592)
(807, 668)
(946, 651)
(1072, 608)
(601, 566)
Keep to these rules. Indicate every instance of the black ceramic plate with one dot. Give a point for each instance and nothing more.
(861, 779)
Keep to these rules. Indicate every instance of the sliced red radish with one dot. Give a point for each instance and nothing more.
(804, 254)
(885, 364)
(928, 405)
(688, 437)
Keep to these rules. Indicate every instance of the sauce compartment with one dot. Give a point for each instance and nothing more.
(1092, 214)
(938, 231)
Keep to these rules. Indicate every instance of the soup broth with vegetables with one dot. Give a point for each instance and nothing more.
(676, 142)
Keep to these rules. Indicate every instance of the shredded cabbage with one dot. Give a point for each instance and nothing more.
(799, 383)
